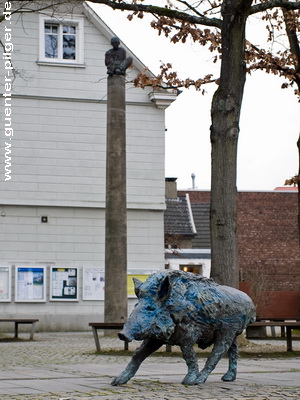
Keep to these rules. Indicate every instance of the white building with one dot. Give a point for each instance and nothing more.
(53, 126)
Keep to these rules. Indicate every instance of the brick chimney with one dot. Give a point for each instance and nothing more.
(171, 188)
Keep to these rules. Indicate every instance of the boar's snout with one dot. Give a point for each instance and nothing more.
(123, 337)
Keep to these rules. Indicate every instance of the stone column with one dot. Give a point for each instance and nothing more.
(116, 209)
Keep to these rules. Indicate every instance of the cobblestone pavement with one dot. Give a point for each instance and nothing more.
(65, 366)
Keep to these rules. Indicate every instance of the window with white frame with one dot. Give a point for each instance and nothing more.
(61, 41)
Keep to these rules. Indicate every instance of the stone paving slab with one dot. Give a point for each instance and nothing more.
(65, 366)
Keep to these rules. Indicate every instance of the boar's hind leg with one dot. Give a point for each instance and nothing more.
(221, 347)
(147, 347)
(190, 358)
(232, 356)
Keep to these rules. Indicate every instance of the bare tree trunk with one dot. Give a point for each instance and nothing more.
(225, 113)
(298, 144)
(292, 34)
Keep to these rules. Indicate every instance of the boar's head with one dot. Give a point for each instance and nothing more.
(150, 317)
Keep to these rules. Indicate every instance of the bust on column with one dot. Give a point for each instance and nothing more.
(116, 60)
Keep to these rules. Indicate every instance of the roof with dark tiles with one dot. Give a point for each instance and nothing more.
(178, 218)
(201, 213)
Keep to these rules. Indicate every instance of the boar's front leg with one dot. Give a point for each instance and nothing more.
(190, 358)
(147, 347)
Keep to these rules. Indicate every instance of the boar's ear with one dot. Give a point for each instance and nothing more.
(164, 289)
(137, 284)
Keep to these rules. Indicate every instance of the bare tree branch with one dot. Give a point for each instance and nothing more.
(291, 31)
(197, 18)
(267, 5)
(151, 9)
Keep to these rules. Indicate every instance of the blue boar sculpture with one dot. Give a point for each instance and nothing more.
(181, 308)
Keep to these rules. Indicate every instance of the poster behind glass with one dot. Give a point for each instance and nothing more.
(93, 283)
(30, 284)
(63, 283)
(5, 284)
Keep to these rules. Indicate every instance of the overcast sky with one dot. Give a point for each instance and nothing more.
(270, 120)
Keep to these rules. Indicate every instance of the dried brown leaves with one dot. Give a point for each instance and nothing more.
(284, 63)
(292, 181)
(168, 79)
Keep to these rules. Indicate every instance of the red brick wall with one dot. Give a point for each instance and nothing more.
(196, 196)
(269, 254)
(268, 239)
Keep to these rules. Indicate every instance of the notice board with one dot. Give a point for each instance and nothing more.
(5, 283)
(64, 283)
(93, 283)
(30, 284)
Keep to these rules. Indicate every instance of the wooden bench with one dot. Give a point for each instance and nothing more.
(287, 325)
(18, 321)
(111, 326)
(106, 326)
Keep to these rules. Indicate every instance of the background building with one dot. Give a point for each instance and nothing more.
(269, 258)
(187, 234)
(52, 210)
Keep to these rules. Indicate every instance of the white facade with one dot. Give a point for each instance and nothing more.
(184, 259)
(56, 132)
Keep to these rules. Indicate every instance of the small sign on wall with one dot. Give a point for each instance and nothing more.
(5, 284)
(64, 284)
(30, 284)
